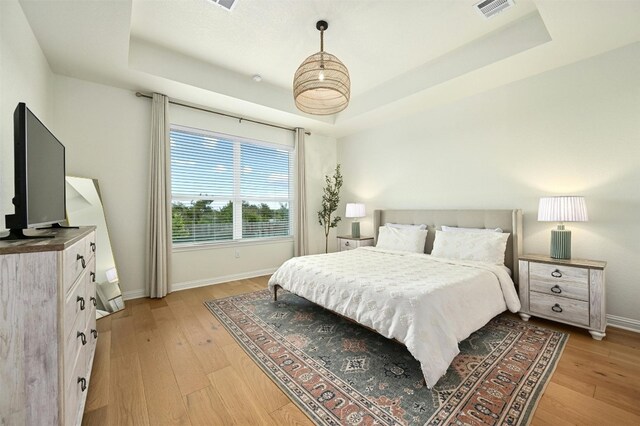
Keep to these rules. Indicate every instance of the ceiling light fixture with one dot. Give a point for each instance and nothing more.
(321, 84)
(257, 78)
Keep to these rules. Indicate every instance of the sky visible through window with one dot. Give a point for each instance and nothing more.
(202, 167)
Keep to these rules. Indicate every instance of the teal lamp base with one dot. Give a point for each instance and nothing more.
(561, 243)
(355, 229)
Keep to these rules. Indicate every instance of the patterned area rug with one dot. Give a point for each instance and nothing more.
(340, 373)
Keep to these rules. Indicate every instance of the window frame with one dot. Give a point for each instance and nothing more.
(237, 197)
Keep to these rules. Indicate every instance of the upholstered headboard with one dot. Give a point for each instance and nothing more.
(508, 220)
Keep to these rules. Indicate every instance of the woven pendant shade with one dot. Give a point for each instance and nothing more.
(321, 85)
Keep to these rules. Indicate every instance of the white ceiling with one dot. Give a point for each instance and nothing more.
(401, 55)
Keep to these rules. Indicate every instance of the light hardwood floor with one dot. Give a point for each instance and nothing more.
(169, 361)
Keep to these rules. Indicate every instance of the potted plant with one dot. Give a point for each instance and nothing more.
(330, 201)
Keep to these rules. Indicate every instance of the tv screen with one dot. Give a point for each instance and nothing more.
(45, 174)
(39, 173)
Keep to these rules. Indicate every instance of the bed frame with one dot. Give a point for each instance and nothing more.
(508, 220)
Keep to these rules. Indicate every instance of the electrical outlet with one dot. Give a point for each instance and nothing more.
(237, 253)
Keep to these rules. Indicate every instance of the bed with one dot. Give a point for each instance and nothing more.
(428, 304)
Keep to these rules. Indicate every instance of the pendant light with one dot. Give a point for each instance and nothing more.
(321, 85)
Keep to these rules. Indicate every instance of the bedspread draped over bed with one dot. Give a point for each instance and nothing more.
(428, 304)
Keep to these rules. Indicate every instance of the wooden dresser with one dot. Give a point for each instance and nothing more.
(47, 327)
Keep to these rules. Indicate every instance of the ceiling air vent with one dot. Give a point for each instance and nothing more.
(227, 4)
(490, 8)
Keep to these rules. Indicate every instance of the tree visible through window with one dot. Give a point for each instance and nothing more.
(228, 188)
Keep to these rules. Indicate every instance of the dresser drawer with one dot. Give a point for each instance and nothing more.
(92, 338)
(74, 304)
(561, 280)
(73, 345)
(74, 259)
(562, 308)
(90, 245)
(74, 394)
(90, 284)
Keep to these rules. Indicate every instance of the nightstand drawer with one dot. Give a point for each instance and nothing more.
(348, 244)
(561, 289)
(575, 311)
(560, 280)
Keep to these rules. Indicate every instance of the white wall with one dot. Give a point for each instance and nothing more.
(574, 130)
(25, 76)
(106, 131)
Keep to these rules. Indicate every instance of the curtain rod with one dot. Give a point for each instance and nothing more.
(201, 108)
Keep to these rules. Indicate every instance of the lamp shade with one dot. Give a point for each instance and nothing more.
(321, 84)
(355, 210)
(562, 209)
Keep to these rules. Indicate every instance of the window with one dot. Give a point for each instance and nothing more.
(227, 188)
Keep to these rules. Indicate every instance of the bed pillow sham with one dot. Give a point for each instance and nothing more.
(474, 230)
(476, 246)
(422, 227)
(401, 239)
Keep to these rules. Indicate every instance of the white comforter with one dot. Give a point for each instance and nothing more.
(427, 303)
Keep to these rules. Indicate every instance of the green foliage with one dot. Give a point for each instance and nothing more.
(177, 224)
(262, 212)
(330, 201)
(199, 221)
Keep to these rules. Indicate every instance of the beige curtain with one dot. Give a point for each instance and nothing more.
(301, 238)
(159, 229)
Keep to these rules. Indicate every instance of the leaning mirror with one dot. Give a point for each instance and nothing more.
(84, 208)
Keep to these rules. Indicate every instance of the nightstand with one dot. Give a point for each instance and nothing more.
(347, 242)
(570, 291)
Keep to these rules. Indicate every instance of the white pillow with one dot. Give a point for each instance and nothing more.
(406, 226)
(477, 246)
(402, 239)
(476, 230)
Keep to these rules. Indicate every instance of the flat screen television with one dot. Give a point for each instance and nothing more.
(39, 175)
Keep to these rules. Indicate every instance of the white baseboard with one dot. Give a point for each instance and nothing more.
(134, 294)
(223, 279)
(137, 294)
(624, 323)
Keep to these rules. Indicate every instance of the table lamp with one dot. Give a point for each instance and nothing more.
(355, 210)
(562, 209)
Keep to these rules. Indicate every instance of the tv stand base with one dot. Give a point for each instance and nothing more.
(58, 226)
(18, 234)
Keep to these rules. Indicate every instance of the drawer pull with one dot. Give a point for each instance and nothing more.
(93, 300)
(93, 247)
(556, 274)
(83, 383)
(81, 300)
(556, 289)
(95, 333)
(93, 276)
(347, 243)
(82, 337)
(81, 259)
(556, 308)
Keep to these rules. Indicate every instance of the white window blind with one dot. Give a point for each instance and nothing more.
(228, 188)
